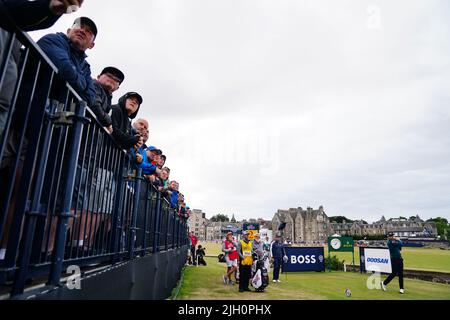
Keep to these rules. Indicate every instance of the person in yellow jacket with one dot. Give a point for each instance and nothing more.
(245, 262)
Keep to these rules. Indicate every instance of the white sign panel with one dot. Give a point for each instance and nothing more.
(378, 260)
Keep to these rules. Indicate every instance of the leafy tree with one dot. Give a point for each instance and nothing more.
(441, 225)
(340, 219)
(220, 218)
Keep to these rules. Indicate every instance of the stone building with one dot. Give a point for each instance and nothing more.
(413, 227)
(216, 231)
(197, 223)
(303, 226)
(357, 228)
(313, 226)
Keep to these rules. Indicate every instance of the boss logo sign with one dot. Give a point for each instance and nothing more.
(303, 259)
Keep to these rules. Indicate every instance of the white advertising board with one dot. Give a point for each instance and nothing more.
(378, 260)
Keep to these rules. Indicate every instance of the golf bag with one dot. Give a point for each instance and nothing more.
(260, 279)
(221, 258)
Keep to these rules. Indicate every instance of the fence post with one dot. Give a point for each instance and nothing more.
(118, 204)
(167, 227)
(36, 111)
(61, 231)
(32, 215)
(137, 194)
(157, 226)
(147, 211)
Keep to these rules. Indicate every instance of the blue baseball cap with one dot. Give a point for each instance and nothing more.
(153, 148)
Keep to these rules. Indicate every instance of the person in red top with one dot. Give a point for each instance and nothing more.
(194, 241)
(231, 257)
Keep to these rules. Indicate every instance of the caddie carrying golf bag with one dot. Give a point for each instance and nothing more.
(260, 279)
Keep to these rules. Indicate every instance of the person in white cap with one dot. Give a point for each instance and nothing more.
(229, 247)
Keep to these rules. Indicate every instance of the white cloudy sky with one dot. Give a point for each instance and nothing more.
(263, 105)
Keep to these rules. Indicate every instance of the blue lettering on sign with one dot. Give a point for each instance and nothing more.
(378, 260)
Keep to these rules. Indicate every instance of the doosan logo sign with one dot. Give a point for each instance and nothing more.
(378, 260)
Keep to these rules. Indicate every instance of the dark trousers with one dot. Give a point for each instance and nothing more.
(244, 276)
(277, 262)
(194, 257)
(397, 270)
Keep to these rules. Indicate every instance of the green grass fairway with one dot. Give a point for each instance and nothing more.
(414, 258)
(200, 283)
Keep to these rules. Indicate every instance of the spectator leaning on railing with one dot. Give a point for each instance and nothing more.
(106, 84)
(122, 114)
(162, 161)
(140, 127)
(164, 179)
(173, 188)
(67, 52)
(153, 171)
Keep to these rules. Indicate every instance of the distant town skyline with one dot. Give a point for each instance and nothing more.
(209, 216)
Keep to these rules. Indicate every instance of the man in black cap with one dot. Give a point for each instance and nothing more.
(395, 247)
(107, 82)
(122, 114)
(67, 52)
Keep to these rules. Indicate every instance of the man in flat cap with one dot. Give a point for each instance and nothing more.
(67, 52)
(105, 85)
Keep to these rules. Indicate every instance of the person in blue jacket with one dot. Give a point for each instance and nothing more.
(140, 126)
(68, 53)
(173, 188)
(395, 247)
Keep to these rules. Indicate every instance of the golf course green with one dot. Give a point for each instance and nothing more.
(205, 283)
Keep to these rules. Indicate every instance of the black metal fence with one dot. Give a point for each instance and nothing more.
(68, 194)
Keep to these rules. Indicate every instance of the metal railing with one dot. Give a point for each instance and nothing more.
(68, 194)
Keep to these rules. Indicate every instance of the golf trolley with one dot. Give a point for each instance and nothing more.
(260, 275)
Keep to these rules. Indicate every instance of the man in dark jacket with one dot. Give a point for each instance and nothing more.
(395, 247)
(278, 256)
(67, 52)
(107, 82)
(122, 113)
